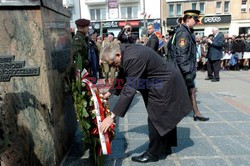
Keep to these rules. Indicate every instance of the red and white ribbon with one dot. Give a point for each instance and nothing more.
(100, 116)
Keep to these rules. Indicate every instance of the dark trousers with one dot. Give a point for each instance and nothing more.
(213, 67)
(158, 145)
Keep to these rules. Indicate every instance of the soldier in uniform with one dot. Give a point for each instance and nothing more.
(80, 45)
(166, 99)
(184, 51)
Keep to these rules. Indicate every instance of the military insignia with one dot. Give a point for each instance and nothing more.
(182, 42)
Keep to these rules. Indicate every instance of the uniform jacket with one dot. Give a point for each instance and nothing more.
(81, 50)
(153, 42)
(166, 101)
(215, 49)
(185, 51)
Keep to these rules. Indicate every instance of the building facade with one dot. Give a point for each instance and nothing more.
(73, 6)
(112, 15)
(230, 16)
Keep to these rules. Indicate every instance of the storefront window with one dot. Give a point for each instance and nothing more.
(98, 14)
(202, 4)
(224, 30)
(218, 7)
(178, 9)
(193, 6)
(226, 7)
(171, 9)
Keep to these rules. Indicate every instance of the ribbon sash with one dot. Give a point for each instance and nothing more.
(99, 110)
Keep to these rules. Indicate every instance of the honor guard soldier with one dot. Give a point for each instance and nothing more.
(184, 51)
(80, 45)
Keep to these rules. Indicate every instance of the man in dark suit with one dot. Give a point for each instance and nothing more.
(125, 35)
(152, 41)
(214, 55)
(162, 87)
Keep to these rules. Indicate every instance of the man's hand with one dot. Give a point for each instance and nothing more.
(209, 41)
(106, 95)
(106, 123)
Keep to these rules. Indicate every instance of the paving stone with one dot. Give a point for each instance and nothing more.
(233, 145)
(187, 131)
(119, 132)
(114, 162)
(194, 147)
(139, 119)
(234, 116)
(243, 127)
(222, 107)
(203, 162)
(118, 149)
(136, 147)
(186, 119)
(165, 162)
(137, 131)
(217, 129)
(203, 108)
(240, 161)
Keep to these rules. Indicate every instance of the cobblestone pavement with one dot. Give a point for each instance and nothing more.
(223, 140)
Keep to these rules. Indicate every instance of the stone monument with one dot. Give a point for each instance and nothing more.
(37, 119)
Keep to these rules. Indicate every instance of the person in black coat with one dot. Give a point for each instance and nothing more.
(125, 35)
(239, 49)
(162, 87)
(215, 49)
(183, 49)
(152, 41)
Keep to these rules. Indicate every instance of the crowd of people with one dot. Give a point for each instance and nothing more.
(236, 52)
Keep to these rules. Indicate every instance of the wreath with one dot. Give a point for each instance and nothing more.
(91, 110)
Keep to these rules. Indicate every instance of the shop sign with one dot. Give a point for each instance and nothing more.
(111, 24)
(217, 19)
(132, 23)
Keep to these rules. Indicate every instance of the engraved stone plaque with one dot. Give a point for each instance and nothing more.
(10, 68)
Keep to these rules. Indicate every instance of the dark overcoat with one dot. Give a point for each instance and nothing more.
(215, 49)
(167, 101)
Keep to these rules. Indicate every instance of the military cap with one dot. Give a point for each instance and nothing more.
(82, 22)
(194, 13)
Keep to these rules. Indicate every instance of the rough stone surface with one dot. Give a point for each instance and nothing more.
(36, 116)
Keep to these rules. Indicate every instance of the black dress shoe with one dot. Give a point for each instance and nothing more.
(215, 80)
(200, 118)
(145, 158)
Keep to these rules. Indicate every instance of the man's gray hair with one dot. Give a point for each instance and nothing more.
(110, 50)
(151, 25)
(215, 29)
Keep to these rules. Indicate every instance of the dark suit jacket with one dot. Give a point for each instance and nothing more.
(124, 38)
(160, 83)
(215, 49)
(153, 42)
